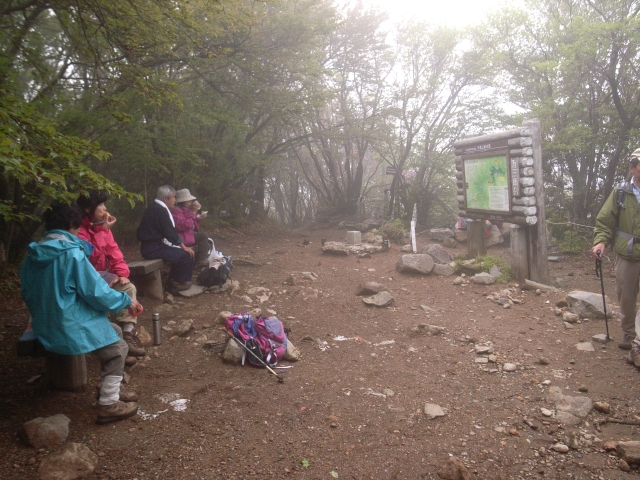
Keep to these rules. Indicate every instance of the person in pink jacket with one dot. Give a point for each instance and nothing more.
(108, 260)
(187, 220)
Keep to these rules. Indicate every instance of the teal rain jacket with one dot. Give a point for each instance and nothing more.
(66, 297)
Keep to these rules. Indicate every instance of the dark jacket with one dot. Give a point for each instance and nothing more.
(156, 225)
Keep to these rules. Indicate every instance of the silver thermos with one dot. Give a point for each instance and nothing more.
(157, 329)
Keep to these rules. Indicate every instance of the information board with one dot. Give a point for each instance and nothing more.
(486, 182)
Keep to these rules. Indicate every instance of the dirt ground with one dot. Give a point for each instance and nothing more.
(354, 408)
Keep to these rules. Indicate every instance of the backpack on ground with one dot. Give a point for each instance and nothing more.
(209, 277)
(266, 334)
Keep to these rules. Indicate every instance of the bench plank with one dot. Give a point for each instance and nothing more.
(143, 267)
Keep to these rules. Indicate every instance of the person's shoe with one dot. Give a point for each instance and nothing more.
(180, 286)
(130, 361)
(135, 346)
(634, 356)
(626, 343)
(118, 411)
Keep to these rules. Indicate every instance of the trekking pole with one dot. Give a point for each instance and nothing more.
(280, 379)
(604, 303)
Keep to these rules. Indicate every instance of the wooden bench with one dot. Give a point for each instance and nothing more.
(65, 372)
(145, 274)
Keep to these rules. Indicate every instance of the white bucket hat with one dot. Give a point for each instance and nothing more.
(636, 153)
(184, 196)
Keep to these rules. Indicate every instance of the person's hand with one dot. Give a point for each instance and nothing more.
(187, 249)
(123, 280)
(135, 308)
(109, 220)
(598, 250)
(202, 215)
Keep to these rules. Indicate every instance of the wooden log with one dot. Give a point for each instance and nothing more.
(520, 142)
(459, 175)
(526, 201)
(460, 199)
(477, 245)
(528, 191)
(526, 172)
(527, 182)
(460, 191)
(538, 261)
(457, 159)
(492, 137)
(526, 161)
(458, 168)
(534, 285)
(521, 210)
(521, 152)
(67, 372)
(525, 221)
(519, 257)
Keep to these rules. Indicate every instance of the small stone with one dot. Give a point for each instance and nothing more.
(602, 407)
(482, 360)
(585, 347)
(610, 445)
(433, 411)
(46, 432)
(509, 367)
(560, 448)
(454, 469)
(624, 466)
(600, 338)
(71, 461)
(514, 432)
(546, 412)
(570, 317)
(382, 299)
(583, 389)
(543, 361)
(492, 358)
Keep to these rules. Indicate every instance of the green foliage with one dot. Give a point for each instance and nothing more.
(41, 164)
(394, 231)
(573, 243)
(305, 463)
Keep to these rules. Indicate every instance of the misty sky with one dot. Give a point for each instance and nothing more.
(451, 12)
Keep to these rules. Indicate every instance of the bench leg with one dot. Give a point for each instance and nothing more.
(150, 285)
(67, 372)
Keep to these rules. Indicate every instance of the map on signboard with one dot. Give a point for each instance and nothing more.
(487, 183)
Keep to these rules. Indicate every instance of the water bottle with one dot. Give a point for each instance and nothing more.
(157, 329)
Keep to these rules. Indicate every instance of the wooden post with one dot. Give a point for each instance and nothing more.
(67, 372)
(476, 238)
(519, 253)
(537, 245)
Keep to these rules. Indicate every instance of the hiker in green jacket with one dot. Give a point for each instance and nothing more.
(619, 219)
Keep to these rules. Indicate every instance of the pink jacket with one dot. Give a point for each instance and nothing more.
(107, 255)
(186, 224)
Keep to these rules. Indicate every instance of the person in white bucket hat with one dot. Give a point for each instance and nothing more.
(187, 220)
(618, 226)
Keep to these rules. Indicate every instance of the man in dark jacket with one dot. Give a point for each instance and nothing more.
(619, 218)
(159, 239)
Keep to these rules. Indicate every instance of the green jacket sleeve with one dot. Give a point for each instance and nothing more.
(606, 220)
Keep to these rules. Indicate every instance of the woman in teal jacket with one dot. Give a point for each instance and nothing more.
(68, 301)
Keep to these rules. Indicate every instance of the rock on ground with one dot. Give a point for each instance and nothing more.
(439, 254)
(461, 235)
(232, 352)
(415, 263)
(382, 299)
(439, 234)
(69, 462)
(46, 432)
(454, 469)
(495, 237)
(577, 406)
(144, 336)
(183, 328)
(425, 329)
(292, 354)
(483, 278)
(443, 270)
(586, 304)
(450, 242)
(222, 316)
(369, 288)
(433, 411)
(629, 452)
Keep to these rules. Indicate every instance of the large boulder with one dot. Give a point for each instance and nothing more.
(439, 254)
(439, 234)
(495, 237)
(587, 304)
(483, 278)
(461, 235)
(445, 270)
(69, 462)
(415, 263)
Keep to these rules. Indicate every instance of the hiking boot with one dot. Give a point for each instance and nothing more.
(634, 356)
(118, 411)
(180, 286)
(626, 343)
(130, 361)
(135, 346)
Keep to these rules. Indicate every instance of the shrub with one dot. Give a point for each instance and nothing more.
(484, 264)
(394, 231)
